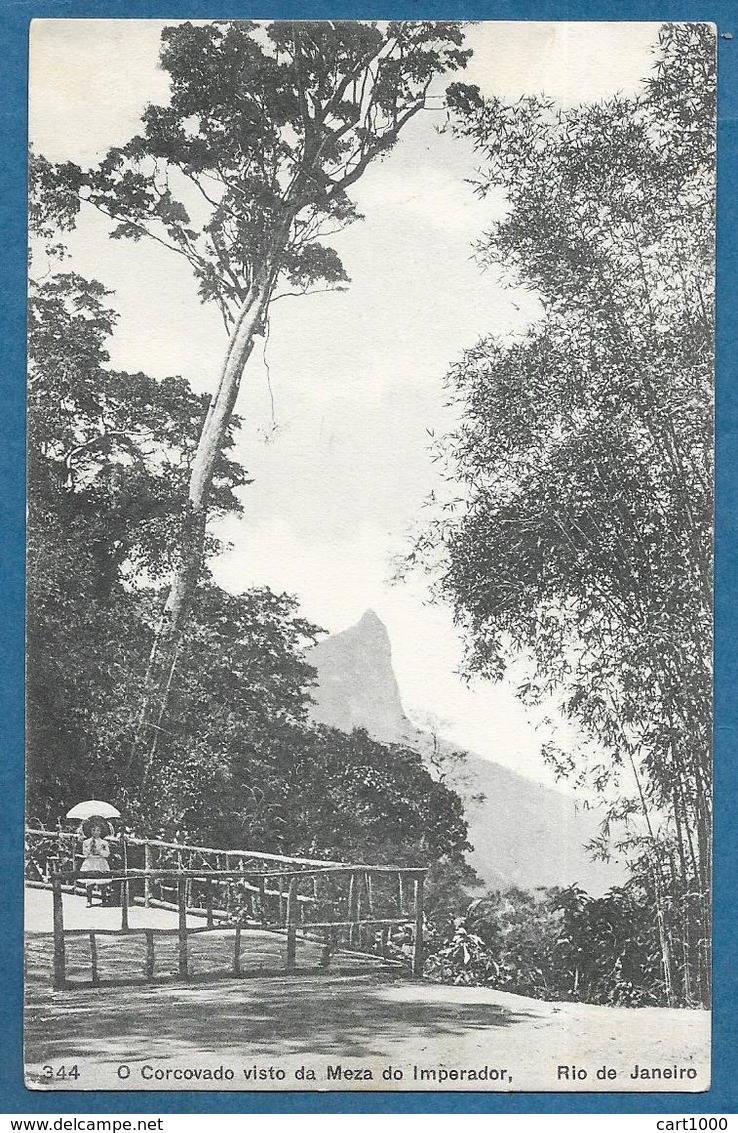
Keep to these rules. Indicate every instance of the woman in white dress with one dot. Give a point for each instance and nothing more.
(95, 852)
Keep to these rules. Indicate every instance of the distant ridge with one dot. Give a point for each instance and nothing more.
(523, 833)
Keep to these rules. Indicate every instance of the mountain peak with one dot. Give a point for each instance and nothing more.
(356, 681)
(370, 619)
(524, 834)
(371, 627)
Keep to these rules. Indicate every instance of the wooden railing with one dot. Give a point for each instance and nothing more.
(53, 851)
(346, 908)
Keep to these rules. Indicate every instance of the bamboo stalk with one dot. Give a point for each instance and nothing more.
(124, 925)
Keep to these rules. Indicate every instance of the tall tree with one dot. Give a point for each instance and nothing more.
(583, 535)
(112, 447)
(108, 458)
(238, 763)
(267, 129)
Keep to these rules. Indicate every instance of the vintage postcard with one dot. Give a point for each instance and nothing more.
(370, 494)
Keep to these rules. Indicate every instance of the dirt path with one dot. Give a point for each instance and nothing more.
(146, 1037)
(39, 916)
(369, 1031)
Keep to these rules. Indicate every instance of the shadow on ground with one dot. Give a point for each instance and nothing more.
(346, 1017)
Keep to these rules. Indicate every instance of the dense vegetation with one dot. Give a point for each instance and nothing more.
(242, 174)
(581, 539)
(237, 761)
(147, 683)
(559, 944)
(577, 530)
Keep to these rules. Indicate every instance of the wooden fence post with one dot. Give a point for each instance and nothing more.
(262, 901)
(182, 908)
(291, 918)
(283, 900)
(149, 969)
(325, 952)
(93, 959)
(226, 886)
(124, 905)
(352, 909)
(124, 891)
(418, 938)
(237, 952)
(60, 963)
(369, 892)
(209, 901)
(148, 865)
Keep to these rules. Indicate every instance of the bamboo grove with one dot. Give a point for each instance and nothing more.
(576, 532)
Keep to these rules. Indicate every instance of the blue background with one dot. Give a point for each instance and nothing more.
(14, 1098)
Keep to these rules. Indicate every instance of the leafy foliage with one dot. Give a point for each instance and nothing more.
(107, 449)
(239, 765)
(560, 944)
(582, 535)
(243, 174)
(319, 792)
(266, 129)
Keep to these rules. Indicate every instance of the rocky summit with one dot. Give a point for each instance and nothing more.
(522, 832)
(357, 687)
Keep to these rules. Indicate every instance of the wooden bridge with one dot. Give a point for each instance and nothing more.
(372, 913)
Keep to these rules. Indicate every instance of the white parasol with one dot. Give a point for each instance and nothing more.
(93, 808)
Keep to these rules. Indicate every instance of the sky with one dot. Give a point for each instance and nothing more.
(340, 402)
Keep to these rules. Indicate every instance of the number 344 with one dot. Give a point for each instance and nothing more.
(60, 1072)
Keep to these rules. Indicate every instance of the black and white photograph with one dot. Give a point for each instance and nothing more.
(369, 556)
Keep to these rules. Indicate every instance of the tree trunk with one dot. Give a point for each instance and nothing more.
(165, 648)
